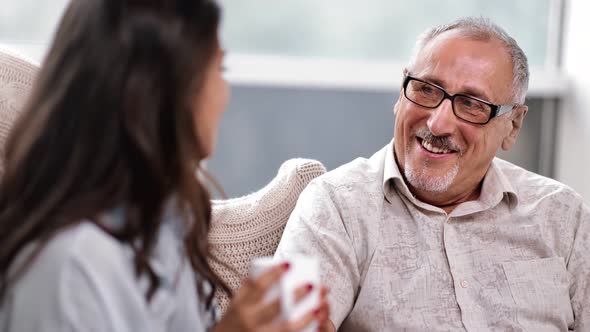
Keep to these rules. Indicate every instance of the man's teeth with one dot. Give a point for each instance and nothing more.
(434, 149)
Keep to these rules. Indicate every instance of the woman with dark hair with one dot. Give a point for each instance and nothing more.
(103, 221)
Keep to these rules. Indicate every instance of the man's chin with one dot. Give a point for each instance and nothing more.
(431, 179)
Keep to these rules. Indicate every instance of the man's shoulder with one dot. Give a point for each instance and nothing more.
(360, 173)
(530, 186)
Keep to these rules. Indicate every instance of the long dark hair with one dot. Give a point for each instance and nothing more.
(110, 123)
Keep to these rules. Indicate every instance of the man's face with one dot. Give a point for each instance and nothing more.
(443, 157)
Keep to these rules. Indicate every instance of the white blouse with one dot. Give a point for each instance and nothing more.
(84, 280)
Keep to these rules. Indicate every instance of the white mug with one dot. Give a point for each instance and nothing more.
(303, 270)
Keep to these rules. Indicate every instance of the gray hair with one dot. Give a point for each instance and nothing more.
(480, 28)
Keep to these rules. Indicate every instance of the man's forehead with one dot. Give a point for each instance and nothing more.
(455, 61)
(425, 55)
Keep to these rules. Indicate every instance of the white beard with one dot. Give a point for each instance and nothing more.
(421, 181)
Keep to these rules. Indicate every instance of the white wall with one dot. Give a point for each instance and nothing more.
(573, 141)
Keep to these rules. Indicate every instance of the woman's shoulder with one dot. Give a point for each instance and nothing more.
(82, 245)
(80, 251)
(76, 273)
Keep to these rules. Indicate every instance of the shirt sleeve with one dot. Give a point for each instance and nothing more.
(579, 269)
(317, 228)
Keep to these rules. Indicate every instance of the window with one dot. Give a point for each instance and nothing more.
(373, 30)
(28, 25)
(382, 30)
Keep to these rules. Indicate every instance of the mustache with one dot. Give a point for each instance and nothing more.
(439, 141)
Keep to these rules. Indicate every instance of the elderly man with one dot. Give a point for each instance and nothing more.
(433, 233)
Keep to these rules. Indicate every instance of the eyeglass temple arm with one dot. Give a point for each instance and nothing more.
(505, 109)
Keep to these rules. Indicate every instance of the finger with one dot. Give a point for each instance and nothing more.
(323, 312)
(302, 291)
(256, 288)
(320, 314)
(268, 312)
(324, 297)
(270, 277)
(323, 315)
(327, 326)
(302, 322)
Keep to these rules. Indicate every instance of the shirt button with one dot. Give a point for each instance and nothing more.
(463, 284)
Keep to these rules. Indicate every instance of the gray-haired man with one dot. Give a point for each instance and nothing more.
(433, 233)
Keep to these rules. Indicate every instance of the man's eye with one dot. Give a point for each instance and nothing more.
(468, 103)
(427, 89)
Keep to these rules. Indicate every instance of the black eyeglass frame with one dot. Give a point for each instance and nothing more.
(496, 110)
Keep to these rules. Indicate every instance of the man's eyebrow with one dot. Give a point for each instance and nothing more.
(468, 90)
(475, 93)
(432, 80)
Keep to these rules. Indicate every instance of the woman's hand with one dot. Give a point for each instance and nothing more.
(249, 312)
(325, 324)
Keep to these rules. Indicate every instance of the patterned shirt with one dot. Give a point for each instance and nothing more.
(84, 280)
(516, 259)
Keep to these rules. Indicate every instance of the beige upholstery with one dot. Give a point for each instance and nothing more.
(16, 79)
(251, 226)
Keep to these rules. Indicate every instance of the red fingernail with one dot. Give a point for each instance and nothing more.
(286, 266)
(317, 312)
(309, 287)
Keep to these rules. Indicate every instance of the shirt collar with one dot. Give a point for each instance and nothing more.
(392, 178)
(167, 256)
(495, 187)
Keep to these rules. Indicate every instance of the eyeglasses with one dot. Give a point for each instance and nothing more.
(467, 108)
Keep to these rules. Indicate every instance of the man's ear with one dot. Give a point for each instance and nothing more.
(516, 120)
(401, 91)
(404, 74)
(396, 105)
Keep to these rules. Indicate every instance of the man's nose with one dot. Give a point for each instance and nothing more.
(442, 120)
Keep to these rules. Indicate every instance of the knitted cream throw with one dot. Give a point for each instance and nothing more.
(16, 79)
(251, 226)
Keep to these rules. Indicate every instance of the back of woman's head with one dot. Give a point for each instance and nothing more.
(110, 123)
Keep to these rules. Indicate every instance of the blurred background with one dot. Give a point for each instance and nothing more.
(318, 79)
